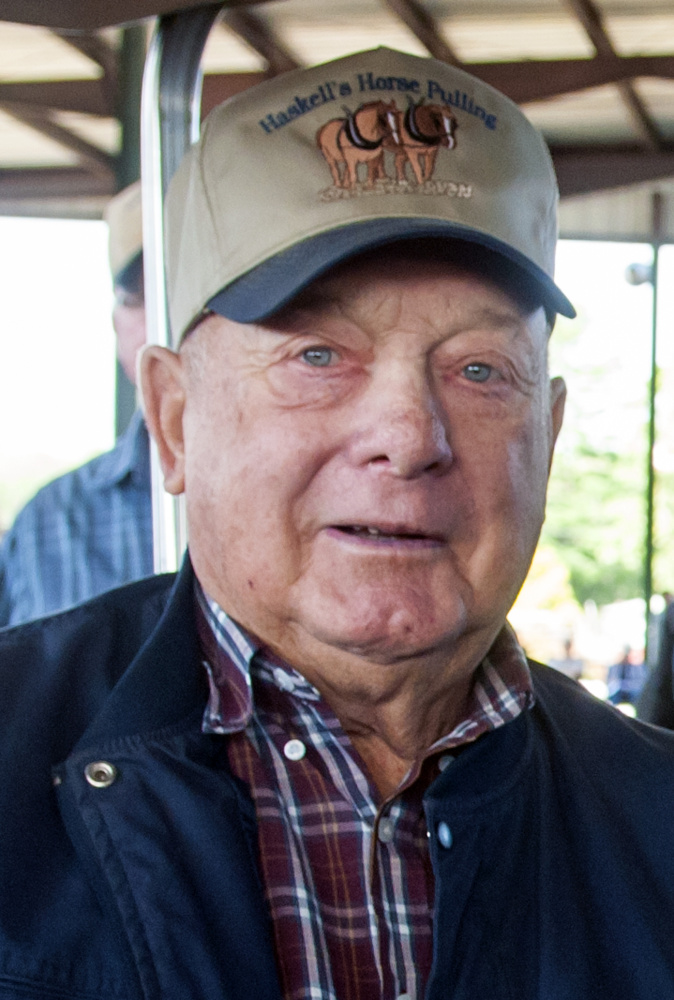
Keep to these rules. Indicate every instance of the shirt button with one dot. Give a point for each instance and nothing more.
(294, 750)
(283, 681)
(445, 760)
(386, 830)
(100, 774)
(444, 834)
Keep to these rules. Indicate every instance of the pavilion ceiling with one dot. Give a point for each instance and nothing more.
(596, 76)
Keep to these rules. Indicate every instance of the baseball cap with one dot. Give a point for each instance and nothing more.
(317, 165)
(123, 214)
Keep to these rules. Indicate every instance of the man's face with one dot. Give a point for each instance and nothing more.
(128, 320)
(367, 470)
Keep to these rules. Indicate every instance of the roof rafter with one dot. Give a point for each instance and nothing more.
(524, 83)
(256, 32)
(90, 156)
(43, 183)
(539, 80)
(94, 47)
(218, 87)
(590, 18)
(422, 24)
(86, 97)
(100, 52)
(583, 171)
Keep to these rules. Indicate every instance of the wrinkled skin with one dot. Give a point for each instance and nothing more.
(365, 476)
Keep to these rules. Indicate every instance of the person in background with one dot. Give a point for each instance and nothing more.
(570, 665)
(317, 763)
(625, 679)
(656, 702)
(91, 529)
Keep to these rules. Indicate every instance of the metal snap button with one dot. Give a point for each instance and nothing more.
(100, 773)
(444, 834)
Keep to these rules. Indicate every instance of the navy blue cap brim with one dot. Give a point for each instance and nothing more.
(131, 274)
(271, 285)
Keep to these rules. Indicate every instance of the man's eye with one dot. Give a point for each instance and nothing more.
(130, 300)
(477, 372)
(319, 357)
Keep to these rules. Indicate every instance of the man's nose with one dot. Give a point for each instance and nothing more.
(402, 427)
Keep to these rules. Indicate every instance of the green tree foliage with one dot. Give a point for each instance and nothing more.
(595, 521)
(596, 508)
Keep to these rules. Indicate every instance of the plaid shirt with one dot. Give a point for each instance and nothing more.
(347, 876)
(81, 534)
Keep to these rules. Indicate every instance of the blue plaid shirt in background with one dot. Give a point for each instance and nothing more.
(347, 875)
(85, 532)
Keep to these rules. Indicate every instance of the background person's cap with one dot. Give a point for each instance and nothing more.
(124, 217)
(314, 166)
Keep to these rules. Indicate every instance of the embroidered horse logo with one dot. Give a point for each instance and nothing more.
(364, 135)
(426, 129)
(359, 138)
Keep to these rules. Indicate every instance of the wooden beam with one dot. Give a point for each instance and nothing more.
(86, 97)
(80, 15)
(583, 171)
(99, 52)
(422, 24)
(580, 171)
(539, 80)
(257, 33)
(218, 87)
(95, 48)
(54, 183)
(587, 13)
(590, 18)
(90, 156)
(641, 119)
(523, 82)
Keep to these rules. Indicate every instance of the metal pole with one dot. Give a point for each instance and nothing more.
(169, 124)
(127, 170)
(657, 214)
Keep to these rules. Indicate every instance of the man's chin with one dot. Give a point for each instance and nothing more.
(387, 632)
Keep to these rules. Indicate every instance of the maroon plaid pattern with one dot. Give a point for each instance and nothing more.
(347, 876)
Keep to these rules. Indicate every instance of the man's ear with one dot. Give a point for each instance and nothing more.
(557, 402)
(163, 398)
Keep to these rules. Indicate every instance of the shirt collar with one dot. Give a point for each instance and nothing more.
(502, 686)
(129, 457)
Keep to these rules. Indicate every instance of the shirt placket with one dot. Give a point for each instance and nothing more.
(401, 942)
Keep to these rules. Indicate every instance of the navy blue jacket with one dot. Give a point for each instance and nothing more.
(558, 883)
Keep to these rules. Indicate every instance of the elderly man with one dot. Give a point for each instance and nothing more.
(318, 764)
(91, 529)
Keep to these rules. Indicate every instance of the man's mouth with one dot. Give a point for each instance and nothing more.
(372, 533)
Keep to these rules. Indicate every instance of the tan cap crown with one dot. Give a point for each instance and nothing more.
(314, 165)
(124, 217)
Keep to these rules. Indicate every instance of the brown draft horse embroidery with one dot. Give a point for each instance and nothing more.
(360, 138)
(426, 128)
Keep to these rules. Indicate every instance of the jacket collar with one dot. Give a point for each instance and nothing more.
(165, 682)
